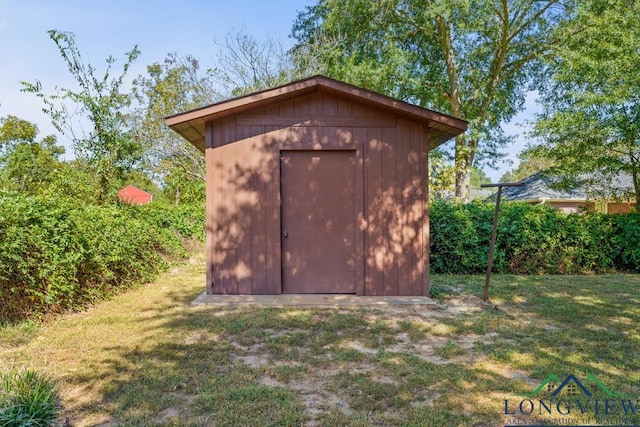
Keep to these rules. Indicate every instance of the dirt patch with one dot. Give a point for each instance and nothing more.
(316, 397)
(357, 345)
(270, 381)
(172, 414)
(463, 304)
(318, 390)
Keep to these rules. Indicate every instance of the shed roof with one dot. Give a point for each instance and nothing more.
(191, 124)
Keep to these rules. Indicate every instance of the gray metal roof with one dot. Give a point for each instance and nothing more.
(540, 186)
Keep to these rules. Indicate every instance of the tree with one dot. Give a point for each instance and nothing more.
(108, 147)
(168, 88)
(479, 177)
(591, 117)
(14, 131)
(178, 84)
(26, 165)
(469, 59)
(441, 176)
(247, 65)
(180, 188)
(530, 163)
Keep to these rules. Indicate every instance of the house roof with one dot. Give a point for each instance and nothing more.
(191, 124)
(134, 195)
(540, 186)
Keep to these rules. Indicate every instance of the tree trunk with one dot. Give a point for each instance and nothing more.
(464, 154)
(463, 183)
(636, 187)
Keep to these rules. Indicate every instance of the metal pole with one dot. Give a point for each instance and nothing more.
(492, 245)
(494, 233)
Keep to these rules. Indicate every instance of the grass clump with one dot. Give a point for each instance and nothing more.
(28, 398)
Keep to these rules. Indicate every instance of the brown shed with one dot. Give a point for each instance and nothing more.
(317, 187)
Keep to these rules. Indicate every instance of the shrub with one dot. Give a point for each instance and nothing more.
(56, 254)
(186, 220)
(28, 398)
(532, 240)
(457, 236)
(626, 240)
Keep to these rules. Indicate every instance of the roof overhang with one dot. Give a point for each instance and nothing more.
(191, 124)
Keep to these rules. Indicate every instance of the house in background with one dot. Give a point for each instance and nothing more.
(316, 186)
(134, 196)
(539, 189)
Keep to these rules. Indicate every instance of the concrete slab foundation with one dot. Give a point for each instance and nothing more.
(311, 300)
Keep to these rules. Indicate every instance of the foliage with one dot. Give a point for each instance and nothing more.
(626, 238)
(179, 188)
(28, 398)
(26, 165)
(14, 130)
(469, 59)
(442, 176)
(458, 244)
(530, 163)
(531, 240)
(58, 254)
(74, 177)
(186, 220)
(479, 177)
(169, 88)
(108, 148)
(591, 117)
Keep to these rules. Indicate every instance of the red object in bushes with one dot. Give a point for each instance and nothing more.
(134, 196)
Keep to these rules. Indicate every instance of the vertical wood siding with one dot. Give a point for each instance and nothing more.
(243, 193)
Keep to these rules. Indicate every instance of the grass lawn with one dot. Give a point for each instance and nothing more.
(147, 358)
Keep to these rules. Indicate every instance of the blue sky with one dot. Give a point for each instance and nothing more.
(114, 27)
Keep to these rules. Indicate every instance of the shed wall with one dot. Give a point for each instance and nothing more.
(243, 193)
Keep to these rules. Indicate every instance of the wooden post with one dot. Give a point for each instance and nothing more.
(494, 233)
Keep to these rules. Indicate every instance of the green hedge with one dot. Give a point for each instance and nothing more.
(532, 240)
(186, 220)
(56, 254)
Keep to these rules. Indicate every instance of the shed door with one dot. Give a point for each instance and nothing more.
(318, 221)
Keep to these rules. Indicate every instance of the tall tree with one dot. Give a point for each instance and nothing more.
(26, 165)
(100, 100)
(246, 64)
(14, 131)
(591, 117)
(173, 86)
(243, 65)
(469, 59)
